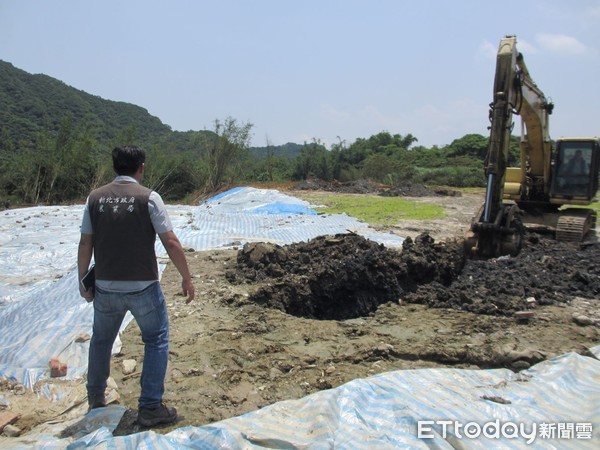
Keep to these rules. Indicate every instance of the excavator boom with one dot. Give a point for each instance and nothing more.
(493, 231)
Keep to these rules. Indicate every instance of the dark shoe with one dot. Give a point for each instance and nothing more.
(148, 417)
(96, 401)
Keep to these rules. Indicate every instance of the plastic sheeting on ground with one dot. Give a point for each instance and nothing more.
(42, 315)
(554, 404)
(40, 318)
(246, 214)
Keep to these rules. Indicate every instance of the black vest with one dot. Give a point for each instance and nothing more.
(123, 233)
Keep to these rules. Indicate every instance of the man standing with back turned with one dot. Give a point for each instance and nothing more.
(119, 227)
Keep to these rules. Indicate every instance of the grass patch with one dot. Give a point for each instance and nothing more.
(375, 210)
(595, 205)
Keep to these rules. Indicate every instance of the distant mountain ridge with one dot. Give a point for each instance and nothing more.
(31, 104)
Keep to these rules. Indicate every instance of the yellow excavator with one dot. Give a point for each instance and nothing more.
(551, 176)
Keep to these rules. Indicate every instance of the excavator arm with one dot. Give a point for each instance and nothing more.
(501, 112)
(497, 229)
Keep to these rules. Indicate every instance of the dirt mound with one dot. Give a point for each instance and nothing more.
(347, 276)
(409, 190)
(348, 187)
(548, 271)
(343, 276)
(417, 190)
(368, 187)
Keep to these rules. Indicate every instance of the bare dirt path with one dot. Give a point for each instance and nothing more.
(459, 212)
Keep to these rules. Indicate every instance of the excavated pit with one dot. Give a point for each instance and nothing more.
(347, 276)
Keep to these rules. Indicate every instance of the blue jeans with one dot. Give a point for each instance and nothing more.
(149, 310)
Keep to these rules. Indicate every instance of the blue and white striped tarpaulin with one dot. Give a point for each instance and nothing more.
(41, 312)
(41, 315)
(553, 405)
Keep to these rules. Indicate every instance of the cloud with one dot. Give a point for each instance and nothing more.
(332, 113)
(487, 50)
(594, 12)
(432, 124)
(447, 122)
(561, 44)
(526, 48)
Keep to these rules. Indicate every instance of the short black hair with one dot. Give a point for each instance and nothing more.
(127, 159)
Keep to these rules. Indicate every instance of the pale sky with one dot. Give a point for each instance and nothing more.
(313, 69)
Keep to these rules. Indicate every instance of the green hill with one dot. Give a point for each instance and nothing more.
(54, 141)
(30, 104)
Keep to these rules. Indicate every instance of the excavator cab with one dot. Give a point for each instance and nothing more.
(576, 165)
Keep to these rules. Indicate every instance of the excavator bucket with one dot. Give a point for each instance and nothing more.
(501, 237)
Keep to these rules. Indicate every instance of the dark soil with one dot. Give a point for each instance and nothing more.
(368, 187)
(349, 187)
(417, 190)
(347, 276)
(545, 270)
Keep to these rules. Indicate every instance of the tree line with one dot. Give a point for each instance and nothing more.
(55, 144)
(64, 166)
